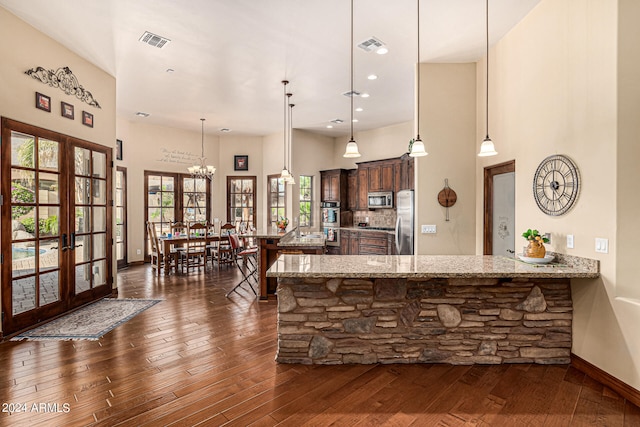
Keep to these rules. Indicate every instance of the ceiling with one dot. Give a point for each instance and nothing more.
(230, 56)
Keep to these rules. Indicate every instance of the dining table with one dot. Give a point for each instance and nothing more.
(182, 240)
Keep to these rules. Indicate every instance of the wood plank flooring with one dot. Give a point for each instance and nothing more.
(198, 358)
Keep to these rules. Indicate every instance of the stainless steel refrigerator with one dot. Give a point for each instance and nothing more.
(404, 222)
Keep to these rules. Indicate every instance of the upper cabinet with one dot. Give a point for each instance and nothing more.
(333, 186)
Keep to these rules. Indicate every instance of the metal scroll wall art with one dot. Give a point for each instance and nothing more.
(64, 79)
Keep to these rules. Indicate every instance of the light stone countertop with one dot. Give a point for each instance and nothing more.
(428, 266)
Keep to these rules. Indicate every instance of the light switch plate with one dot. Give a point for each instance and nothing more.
(428, 229)
(569, 241)
(602, 245)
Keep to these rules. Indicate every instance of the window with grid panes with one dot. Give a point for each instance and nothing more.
(306, 201)
(241, 199)
(276, 199)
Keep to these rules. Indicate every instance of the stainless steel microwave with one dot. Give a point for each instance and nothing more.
(380, 200)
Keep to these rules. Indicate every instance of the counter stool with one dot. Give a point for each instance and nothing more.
(250, 263)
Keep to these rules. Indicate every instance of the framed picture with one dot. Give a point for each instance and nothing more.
(66, 110)
(118, 149)
(87, 119)
(240, 163)
(43, 102)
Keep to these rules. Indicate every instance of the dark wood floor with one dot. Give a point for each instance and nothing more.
(198, 358)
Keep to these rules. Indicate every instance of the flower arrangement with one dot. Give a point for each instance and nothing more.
(282, 223)
(536, 248)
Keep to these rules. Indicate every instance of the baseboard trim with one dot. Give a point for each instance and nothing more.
(620, 387)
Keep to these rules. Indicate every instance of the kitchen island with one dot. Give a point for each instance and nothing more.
(425, 309)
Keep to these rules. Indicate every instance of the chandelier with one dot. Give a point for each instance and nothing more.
(202, 170)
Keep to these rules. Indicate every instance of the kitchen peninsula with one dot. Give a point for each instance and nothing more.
(425, 309)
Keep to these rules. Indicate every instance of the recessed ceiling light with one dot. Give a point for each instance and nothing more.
(225, 130)
(364, 95)
(141, 114)
(359, 109)
(382, 50)
(329, 126)
(372, 77)
(354, 120)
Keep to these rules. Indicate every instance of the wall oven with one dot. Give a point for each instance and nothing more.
(380, 200)
(331, 222)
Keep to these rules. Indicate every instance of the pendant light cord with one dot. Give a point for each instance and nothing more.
(487, 76)
(290, 135)
(418, 80)
(202, 144)
(284, 153)
(352, 94)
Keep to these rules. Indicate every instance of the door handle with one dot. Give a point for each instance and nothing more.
(72, 246)
(64, 243)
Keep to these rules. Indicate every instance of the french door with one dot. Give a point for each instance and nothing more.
(56, 224)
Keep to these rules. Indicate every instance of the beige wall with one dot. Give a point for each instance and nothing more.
(554, 86)
(22, 48)
(447, 127)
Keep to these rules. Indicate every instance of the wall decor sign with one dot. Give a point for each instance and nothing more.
(87, 119)
(66, 110)
(240, 163)
(43, 102)
(64, 79)
(118, 149)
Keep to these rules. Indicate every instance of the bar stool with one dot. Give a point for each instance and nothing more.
(250, 262)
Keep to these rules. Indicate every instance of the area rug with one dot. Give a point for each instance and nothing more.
(90, 322)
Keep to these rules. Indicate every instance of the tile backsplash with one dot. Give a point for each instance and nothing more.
(377, 218)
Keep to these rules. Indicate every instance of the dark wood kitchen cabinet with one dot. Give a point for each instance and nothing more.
(352, 189)
(333, 186)
(373, 243)
(363, 200)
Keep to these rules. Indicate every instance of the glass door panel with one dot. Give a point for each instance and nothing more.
(121, 217)
(56, 191)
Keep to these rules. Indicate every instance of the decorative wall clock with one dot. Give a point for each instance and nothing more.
(556, 184)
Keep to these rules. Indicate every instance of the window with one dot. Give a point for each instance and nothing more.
(241, 199)
(306, 201)
(276, 198)
(175, 197)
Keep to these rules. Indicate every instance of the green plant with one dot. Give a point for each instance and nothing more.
(21, 194)
(533, 235)
(282, 222)
(29, 225)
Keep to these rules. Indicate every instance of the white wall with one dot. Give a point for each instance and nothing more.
(554, 89)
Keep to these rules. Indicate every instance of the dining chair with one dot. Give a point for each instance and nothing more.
(195, 253)
(249, 267)
(223, 253)
(157, 250)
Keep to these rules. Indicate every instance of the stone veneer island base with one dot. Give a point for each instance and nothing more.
(406, 309)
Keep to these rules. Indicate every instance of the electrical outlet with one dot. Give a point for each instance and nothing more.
(428, 229)
(138, 251)
(569, 241)
(602, 245)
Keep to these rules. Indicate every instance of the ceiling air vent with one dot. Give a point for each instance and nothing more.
(372, 44)
(337, 121)
(154, 39)
(352, 93)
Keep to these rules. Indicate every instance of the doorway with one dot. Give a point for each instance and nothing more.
(499, 209)
(56, 224)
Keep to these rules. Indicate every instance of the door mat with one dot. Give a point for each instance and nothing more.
(90, 322)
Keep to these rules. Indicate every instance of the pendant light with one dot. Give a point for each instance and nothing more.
(487, 148)
(285, 172)
(352, 146)
(290, 180)
(417, 148)
(202, 171)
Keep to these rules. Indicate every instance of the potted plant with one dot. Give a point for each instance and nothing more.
(535, 248)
